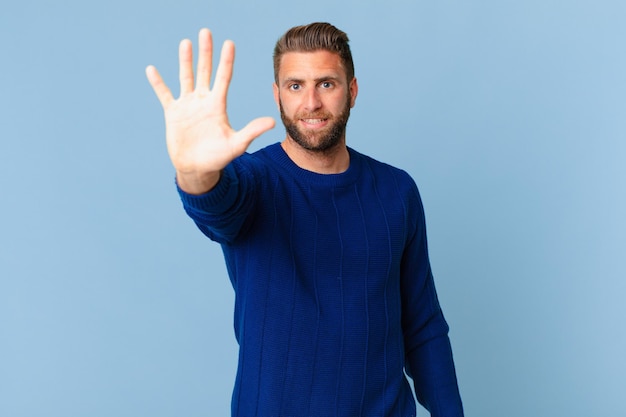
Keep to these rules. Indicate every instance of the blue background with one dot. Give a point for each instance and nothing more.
(510, 115)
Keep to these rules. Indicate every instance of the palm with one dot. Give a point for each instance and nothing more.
(198, 135)
(200, 140)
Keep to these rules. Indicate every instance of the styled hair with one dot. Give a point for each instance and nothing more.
(315, 37)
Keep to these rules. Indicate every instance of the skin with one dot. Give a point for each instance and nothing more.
(315, 98)
(200, 140)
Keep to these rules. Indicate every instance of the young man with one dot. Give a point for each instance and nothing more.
(325, 247)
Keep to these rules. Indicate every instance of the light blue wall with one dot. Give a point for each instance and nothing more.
(511, 116)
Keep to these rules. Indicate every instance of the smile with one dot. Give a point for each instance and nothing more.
(313, 121)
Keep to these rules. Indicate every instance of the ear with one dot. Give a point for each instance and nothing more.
(276, 95)
(354, 91)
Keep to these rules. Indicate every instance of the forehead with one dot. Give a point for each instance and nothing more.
(310, 65)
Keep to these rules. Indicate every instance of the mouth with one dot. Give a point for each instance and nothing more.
(314, 123)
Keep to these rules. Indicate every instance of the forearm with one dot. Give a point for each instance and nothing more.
(221, 212)
(428, 352)
(431, 366)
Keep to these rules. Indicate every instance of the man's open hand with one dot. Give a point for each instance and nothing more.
(200, 140)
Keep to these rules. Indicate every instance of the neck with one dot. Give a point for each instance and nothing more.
(332, 161)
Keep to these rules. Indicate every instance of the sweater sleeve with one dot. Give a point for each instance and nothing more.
(428, 352)
(221, 213)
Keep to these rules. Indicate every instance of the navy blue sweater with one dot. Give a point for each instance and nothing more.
(334, 296)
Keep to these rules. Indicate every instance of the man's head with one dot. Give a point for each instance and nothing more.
(315, 37)
(314, 85)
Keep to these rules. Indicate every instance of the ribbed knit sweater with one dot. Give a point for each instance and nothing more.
(334, 296)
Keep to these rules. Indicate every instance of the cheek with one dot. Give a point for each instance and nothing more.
(289, 106)
(341, 103)
(285, 112)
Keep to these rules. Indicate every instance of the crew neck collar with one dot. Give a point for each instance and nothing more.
(349, 176)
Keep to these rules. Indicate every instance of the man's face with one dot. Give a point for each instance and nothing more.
(314, 98)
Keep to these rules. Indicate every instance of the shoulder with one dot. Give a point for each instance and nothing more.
(386, 174)
(252, 160)
(394, 186)
(253, 166)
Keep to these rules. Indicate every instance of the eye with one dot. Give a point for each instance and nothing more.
(294, 87)
(327, 84)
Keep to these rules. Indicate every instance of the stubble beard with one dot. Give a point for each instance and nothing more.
(324, 140)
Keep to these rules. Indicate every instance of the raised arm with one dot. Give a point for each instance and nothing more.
(200, 140)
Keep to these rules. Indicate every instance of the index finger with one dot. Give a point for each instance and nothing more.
(224, 71)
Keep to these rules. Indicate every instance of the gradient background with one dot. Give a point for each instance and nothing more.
(510, 115)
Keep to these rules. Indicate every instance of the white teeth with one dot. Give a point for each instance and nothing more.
(313, 121)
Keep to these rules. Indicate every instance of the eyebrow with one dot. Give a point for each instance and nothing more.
(316, 80)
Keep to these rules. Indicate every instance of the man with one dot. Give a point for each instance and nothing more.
(325, 247)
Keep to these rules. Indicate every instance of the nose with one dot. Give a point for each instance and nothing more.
(312, 100)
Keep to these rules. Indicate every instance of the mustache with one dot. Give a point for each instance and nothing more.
(314, 115)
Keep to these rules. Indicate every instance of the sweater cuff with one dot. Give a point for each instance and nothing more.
(219, 198)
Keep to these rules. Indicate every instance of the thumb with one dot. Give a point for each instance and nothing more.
(253, 130)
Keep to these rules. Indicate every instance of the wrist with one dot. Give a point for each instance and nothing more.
(197, 184)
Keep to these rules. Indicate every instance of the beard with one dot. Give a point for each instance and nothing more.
(320, 141)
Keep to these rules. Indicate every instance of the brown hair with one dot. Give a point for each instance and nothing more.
(315, 37)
